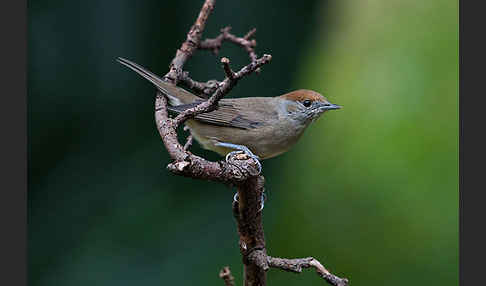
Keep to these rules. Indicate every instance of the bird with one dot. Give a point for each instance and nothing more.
(261, 127)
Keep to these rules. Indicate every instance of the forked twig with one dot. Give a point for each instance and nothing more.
(240, 172)
(225, 274)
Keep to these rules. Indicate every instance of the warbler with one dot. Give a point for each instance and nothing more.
(262, 127)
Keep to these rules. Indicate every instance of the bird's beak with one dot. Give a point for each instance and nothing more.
(330, 106)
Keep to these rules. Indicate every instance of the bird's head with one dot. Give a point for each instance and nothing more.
(306, 105)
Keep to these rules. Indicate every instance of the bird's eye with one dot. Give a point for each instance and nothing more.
(307, 103)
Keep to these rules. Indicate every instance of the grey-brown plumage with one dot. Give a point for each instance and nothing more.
(268, 126)
(228, 113)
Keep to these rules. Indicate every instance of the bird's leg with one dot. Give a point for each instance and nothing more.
(262, 200)
(241, 148)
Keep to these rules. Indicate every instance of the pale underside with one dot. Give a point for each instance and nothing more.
(266, 134)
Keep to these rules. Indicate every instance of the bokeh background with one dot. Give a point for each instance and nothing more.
(371, 190)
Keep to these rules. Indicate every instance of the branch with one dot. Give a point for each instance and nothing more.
(215, 44)
(188, 140)
(241, 170)
(227, 69)
(225, 274)
(193, 166)
(249, 222)
(190, 45)
(224, 87)
(297, 264)
(186, 164)
(205, 89)
(259, 258)
(233, 171)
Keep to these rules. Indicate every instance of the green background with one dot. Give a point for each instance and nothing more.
(371, 190)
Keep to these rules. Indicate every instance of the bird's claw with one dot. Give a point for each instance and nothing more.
(262, 200)
(240, 149)
(249, 154)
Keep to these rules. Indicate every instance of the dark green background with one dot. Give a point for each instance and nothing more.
(371, 190)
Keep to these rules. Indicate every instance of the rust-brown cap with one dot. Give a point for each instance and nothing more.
(303, 94)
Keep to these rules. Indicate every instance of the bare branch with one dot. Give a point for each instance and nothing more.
(253, 66)
(205, 89)
(215, 44)
(191, 43)
(261, 259)
(250, 34)
(225, 274)
(187, 164)
(250, 228)
(202, 89)
(227, 69)
(188, 140)
(241, 171)
(224, 88)
(190, 165)
(297, 264)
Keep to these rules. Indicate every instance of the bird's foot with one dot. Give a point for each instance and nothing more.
(251, 155)
(241, 149)
(262, 200)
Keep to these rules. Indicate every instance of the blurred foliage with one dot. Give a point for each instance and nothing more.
(371, 189)
(377, 194)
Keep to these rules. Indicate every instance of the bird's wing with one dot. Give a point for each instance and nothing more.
(229, 113)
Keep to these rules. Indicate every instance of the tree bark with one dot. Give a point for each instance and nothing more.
(238, 170)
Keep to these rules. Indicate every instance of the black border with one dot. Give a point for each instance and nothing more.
(472, 238)
(13, 124)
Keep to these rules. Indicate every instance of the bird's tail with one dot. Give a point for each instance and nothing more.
(176, 95)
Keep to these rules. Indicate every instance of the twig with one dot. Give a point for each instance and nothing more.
(203, 89)
(297, 264)
(190, 44)
(227, 69)
(225, 274)
(224, 88)
(215, 44)
(190, 165)
(185, 163)
(188, 140)
(239, 171)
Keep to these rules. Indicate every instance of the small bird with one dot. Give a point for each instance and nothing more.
(262, 127)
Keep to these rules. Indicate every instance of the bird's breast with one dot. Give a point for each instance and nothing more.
(266, 141)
